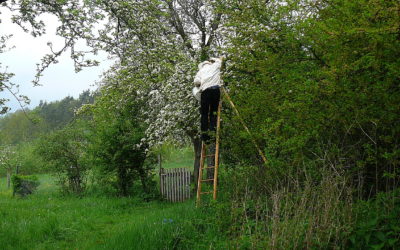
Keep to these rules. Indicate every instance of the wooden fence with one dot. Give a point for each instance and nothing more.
(175, 184)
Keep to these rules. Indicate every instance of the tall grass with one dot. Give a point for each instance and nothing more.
(49, 220)
(250, 213)
(259, 214)
(177, 157)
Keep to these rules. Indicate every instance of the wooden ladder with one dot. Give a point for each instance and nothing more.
(203, 158)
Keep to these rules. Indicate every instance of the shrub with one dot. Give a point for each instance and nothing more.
(64, 151)
(120, 156)
(316, 91)
(24, 185)
(378, 223)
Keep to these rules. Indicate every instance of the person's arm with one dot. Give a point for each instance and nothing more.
(197, 80)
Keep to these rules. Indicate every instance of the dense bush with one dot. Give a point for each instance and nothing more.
(377, 223)
(119, 155)
(28, 160)
(24, 185)
(64, 150)
(317, 84)
(318, 88)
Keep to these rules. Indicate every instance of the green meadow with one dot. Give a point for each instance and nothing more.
(49, 220)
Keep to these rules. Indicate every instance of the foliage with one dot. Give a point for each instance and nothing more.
(17, 127)
(58, 114)
(24, 185)
(117, 145)
(28, 125)
(314, 215)
(378, 223)
(157, 44)
(315, 83)
(64, 150)
(8, 161)
(7, 157)
(28, 160)
(6, 84)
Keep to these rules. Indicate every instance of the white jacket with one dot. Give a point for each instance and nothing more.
(209, 74)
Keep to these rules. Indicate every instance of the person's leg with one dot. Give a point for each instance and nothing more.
(204, 114)
(214, 102)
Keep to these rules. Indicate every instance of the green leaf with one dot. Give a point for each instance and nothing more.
(391, 242)
(381, 236)
(372, 222)
(379, 246)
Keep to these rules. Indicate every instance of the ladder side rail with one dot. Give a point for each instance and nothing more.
(203, 149)
(216, 161)
(246, 128)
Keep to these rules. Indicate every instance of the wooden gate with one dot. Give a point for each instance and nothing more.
(175, 184)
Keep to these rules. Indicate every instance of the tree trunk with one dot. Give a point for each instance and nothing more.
(143, 180)
(197, 153)
(8, 178)
(160, 171)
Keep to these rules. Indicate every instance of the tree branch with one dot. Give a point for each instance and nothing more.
(214, 26)
(177, 24)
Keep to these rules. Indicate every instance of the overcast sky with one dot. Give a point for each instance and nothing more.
(59, 80)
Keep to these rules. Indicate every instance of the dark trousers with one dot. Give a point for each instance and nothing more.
(208, 110)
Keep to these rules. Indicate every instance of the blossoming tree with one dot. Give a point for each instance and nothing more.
(157, 45)
(7, 160)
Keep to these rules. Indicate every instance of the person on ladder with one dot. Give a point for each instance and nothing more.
(207, 90)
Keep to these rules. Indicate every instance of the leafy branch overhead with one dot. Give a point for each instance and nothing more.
(150, 39)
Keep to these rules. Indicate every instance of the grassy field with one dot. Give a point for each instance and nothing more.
(178, 157)
(47, 220)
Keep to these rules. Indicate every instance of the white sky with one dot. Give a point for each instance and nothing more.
(59, 80)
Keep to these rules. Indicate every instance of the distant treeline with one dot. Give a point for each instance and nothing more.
(19, 127)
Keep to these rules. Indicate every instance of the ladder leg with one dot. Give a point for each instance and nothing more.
(216, 162)
(200, 176)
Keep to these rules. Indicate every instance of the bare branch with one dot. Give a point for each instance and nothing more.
(177, 24)
(214, 26)
(20, 102)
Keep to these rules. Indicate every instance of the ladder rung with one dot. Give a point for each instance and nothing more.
(207, 180)
(210, 155)
(208, 167)
(206, 192)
